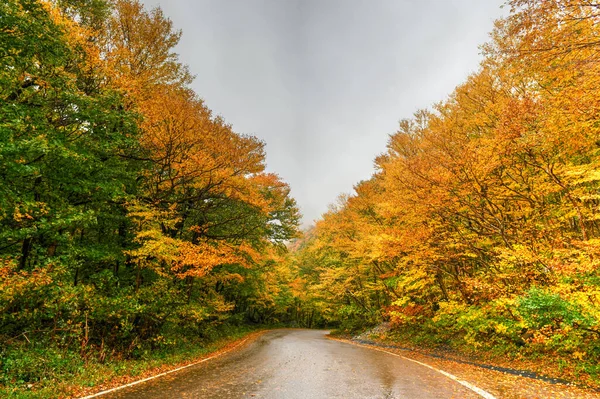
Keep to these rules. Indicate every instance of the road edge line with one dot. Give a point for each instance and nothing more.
(95, 395)
(464, 383)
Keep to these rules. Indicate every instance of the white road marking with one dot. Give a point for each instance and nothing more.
(466, 384)
(161, 374)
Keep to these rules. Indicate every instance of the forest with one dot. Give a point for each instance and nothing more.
(136, 225)
(132, 219)
(480, 229)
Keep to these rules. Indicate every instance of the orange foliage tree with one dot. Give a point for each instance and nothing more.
(481, 220)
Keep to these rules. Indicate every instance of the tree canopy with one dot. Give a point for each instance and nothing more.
(481, 221)
(130, 215)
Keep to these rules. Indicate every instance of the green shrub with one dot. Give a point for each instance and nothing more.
(32, 363)
(541, 309)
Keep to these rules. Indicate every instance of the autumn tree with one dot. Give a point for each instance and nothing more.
(481, 218)
(131, 217)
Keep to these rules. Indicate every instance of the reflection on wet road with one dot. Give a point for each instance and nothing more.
(301, 364)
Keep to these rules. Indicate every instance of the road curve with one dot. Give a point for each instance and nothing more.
(301, 364)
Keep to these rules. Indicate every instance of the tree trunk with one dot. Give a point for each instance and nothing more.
(25, 250)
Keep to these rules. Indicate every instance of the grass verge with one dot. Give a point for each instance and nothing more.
(77, 378)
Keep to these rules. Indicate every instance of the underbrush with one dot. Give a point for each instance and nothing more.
(539, 331)
(45, 370)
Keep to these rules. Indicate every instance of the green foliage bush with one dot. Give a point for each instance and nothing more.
(542, 308)
(36, 361)
(351, 318)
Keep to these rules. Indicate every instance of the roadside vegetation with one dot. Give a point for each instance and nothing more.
(480, 229)
(60, 373)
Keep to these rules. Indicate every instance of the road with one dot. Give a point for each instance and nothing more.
(300, 364)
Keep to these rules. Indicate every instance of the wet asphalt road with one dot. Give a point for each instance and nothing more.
(300, 364)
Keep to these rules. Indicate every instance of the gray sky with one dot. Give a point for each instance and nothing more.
(324, 82)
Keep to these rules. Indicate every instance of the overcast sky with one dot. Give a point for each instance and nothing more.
(324, 82)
